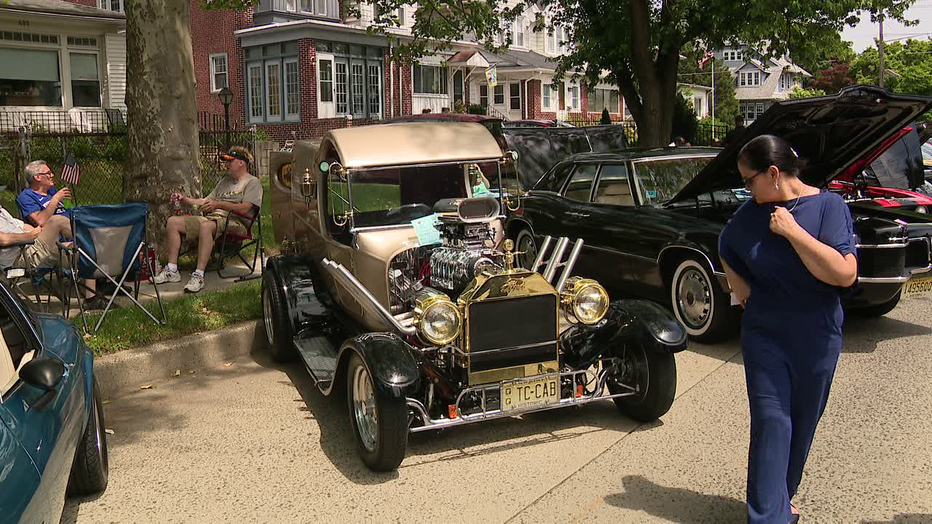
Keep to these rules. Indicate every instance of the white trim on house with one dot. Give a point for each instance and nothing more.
(326, 109)
(214, 88)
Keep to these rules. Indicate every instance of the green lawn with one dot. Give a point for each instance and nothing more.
(129, 327)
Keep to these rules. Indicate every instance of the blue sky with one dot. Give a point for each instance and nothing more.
(865, 32)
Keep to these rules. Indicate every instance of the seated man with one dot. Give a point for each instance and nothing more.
(237, 191)
(42, 253)
(41, 201)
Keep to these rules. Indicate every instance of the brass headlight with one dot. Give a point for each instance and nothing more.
(437, 318)
(584, 300)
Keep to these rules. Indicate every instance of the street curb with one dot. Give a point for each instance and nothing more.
(126, 371)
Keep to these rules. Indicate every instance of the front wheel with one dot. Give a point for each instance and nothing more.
(91, 468)
(878, 310)
(653, 374)
(526, 247)
(380, 424)
(275, 319)
(700, 304)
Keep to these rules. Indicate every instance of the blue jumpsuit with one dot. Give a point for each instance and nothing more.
(790, 338)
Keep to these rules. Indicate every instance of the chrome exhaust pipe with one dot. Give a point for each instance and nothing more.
(364, 297)
(570, 263)
(555, 259)
(540, 254)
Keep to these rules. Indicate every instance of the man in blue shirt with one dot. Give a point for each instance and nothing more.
(41, 201)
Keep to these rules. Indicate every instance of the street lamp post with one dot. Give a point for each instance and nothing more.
(226, 98)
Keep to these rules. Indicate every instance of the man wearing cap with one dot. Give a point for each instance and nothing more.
(238, 191)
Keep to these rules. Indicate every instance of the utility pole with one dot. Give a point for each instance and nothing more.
(880, 47)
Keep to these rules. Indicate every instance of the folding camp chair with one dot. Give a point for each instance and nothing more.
(22, 272)
(107, 242)
(233, 244)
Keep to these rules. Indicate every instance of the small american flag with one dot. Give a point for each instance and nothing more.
(705, 58)
(70, 171)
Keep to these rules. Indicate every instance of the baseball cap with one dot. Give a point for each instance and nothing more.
(235, 153)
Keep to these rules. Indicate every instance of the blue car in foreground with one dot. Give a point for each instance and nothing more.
(52, 433)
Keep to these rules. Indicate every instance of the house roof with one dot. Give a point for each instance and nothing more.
(60, 7)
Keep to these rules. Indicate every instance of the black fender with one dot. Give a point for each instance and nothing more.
(296, 275)
(392, 363)
(650, 324)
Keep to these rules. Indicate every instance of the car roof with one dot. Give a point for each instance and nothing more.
(638, 153)
(413, 143)
(443, 117)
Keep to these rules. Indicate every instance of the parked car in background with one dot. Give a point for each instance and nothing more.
(401, 292)
(651, 218)
(52, 433)
(536, 123)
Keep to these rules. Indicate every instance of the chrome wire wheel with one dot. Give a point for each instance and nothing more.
(267, 316)
(364, 409)
(526, 248)
(694, 297)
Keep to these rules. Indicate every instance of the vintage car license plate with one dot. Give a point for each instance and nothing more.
(525, 394)
(917, 287)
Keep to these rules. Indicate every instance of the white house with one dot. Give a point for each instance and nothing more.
(760, 83)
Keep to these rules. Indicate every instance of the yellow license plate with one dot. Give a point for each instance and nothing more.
(917, 287)
(530, 393)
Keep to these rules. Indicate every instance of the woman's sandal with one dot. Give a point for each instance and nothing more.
(794, 514)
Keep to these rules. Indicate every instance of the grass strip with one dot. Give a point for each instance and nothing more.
(129, 327)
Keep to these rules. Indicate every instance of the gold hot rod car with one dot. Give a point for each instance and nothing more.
(397, 285)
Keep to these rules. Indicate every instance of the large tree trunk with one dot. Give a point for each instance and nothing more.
(161, 107)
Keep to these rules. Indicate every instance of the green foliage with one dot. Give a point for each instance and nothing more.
(909, 67)
(726, 105)
(476, 109)
(685, 122)
(833, 78)
(799, 92)
(709, 121)
(816, 58)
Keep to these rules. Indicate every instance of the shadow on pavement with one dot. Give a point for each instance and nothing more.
(861, 335)
(677, 504)
(904, 518)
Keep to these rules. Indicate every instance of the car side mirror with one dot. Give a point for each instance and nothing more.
(43, 373)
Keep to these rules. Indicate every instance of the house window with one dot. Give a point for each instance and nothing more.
(458, 86)
(256, 110)
(574, 97)
(760, 109)
(292, 89)
(545, 95)
(273, 89)
(375, 89)
(561, 45)
(85, 80)
(499, 94)
(697, 105)
(601, 99)
(430, 80)
(484, 95)
(111, 5)
(326, 80)
(514, 95)
(401, 16)
(519, 31)
(29, 77)
(342, 89)
(551, 41)
(218, 72)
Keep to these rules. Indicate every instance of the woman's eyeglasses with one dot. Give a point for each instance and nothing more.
(747, 181)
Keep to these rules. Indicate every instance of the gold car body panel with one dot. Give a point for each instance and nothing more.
(506, 285)
(414, 143)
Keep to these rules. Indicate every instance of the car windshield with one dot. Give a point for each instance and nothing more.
(395, 196)
(927, 152)
(661, 179)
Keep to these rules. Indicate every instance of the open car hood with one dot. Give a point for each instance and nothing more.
(831, 133)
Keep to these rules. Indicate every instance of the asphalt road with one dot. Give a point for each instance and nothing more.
(255, 442)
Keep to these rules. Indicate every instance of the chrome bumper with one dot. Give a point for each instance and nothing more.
(597, 394)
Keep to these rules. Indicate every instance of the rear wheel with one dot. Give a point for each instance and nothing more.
(699, 303)
(91, 468)
(380, 424)
(275, 319)
(653, 374)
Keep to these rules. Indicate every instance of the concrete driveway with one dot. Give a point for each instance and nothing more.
(252, 441)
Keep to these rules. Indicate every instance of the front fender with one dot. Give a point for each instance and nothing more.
(651, 325)
(391, 363)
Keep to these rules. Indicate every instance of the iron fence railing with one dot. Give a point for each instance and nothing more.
(93, 120)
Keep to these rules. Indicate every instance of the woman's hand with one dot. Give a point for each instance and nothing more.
(739, 287)
(783, 223)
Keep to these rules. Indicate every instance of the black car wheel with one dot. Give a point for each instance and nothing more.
(653, 374)
(380, 424)
(275, 319)
(526, 247)
(91, 468)
(699, 304)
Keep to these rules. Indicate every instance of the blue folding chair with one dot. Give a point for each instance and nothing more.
(107, 242)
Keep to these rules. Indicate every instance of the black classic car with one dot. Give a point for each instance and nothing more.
(650, 219)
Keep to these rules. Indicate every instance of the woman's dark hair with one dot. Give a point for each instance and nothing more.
(769, 150)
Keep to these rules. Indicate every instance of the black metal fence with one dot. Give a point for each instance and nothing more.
(705, 135)
(101, 156)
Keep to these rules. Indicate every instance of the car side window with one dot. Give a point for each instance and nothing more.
(614, 187)
(555, 180)
(580, 186)
(13, 351)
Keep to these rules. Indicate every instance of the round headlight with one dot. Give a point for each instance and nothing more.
(921, 209)
(587, 300)
(440, 322)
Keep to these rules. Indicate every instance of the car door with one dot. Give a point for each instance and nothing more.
(582, 219)
(612, 217)
(47, 427)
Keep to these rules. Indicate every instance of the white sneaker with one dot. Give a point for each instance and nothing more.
(195, 284)
(167, 276)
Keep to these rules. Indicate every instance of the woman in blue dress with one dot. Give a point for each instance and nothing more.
(788, 253)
